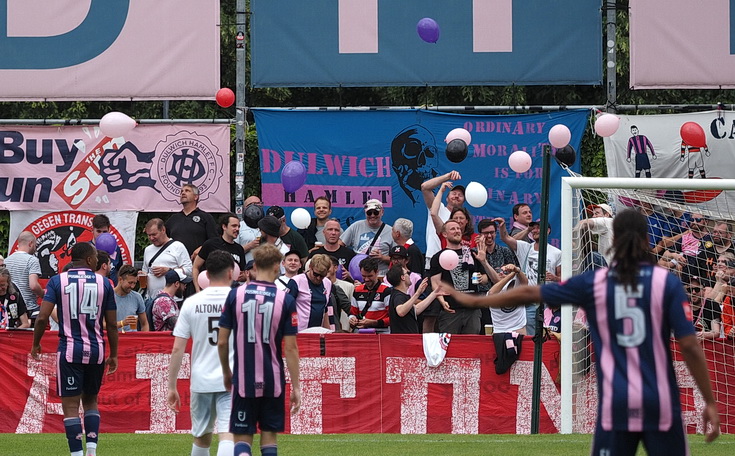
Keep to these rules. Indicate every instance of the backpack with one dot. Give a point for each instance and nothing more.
(149, 309)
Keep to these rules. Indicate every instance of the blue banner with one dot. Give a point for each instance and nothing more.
(353, 156)
(378, 42)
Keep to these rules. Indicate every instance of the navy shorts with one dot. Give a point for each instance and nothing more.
(73, 379)
(622, 443)
(249, 413)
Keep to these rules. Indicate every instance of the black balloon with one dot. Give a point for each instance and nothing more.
(456, 150)
(566, 155)
(252, 215)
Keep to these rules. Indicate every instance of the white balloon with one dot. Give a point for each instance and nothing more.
(115, 124)
(475, 194)
(300, 218)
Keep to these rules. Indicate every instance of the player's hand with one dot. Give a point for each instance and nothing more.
(422, 286)
(173, 400)
(295, 400)
(111, 363)
(227, 377)
(36, 352)
(711, 418)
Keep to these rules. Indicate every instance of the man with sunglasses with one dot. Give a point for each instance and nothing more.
(311, 291)
(722, 237)
(694, 248)
(371, 236)
(705, 312)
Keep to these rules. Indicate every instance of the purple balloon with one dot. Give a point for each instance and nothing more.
(428, 30)
(106, 242)
(354, 267)
(293, 176)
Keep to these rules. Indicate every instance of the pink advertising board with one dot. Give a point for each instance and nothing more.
(79, 168)
(109, 49)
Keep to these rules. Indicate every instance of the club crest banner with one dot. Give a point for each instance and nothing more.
(79, 168)
(351, 157)
(109, 49)
(57, 232)
(378, 43)
(682, 44)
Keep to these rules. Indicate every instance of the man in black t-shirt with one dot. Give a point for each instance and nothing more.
(403, 309)
(290, 237)
(456, 319)
(192, 226)
(230, 225)
(332, 247)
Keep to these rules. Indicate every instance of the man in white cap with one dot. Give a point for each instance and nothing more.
(371, 236)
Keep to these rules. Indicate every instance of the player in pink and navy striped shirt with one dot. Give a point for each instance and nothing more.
(262, 318)
(632, 309)
(83, 299)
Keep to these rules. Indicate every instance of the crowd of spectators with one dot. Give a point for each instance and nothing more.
(393, 292)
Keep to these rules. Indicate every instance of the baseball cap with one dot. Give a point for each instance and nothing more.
(537, 222)
(458, 188)
(270, 225)
(605, 207)
(173, 276)
(275, 211)
(373, 204)
(399, 250)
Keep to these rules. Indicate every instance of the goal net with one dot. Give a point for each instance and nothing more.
(691, 230)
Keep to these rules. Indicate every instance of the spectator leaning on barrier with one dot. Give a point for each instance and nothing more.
(370, 300)
(130, 304)
(25, 270)
(165, 310)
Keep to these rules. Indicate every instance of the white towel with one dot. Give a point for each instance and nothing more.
(435, 347)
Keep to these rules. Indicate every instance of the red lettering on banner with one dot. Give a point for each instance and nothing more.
(350, 384)
(85, 178)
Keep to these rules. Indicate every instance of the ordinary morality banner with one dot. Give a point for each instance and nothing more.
(353, 156)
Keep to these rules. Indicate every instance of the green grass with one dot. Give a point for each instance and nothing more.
(348, 445)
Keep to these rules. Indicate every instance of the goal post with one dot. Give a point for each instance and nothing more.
(714, 198)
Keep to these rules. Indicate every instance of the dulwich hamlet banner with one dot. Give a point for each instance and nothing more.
(354, 156)
(79, 168)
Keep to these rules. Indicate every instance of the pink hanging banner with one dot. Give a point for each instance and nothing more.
(109, 49)
(680, 44)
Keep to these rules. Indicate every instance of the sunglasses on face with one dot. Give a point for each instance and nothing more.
(373, 212)
(318, 275)
(694, 289)
(697, 219)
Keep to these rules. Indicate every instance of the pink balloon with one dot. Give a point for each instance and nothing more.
(559, 136)
(115, 124)
(203, 280)
(448, 260)
(519, 161)
(606, 125)
(236, 272)
(459, 133)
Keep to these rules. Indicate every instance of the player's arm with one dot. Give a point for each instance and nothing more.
(291, 350)
(40, 326)
(693, 356)
(110, 316)
(174, 365)
(516, 297)
(195, 269)
(223, 349)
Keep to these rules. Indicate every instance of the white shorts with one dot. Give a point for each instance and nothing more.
(205, 407)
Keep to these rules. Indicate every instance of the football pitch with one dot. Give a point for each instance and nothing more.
(348, 445)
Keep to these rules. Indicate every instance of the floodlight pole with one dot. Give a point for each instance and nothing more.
(240, 103)
(538, 348)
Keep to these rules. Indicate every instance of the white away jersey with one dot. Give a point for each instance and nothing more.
(199, 321)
